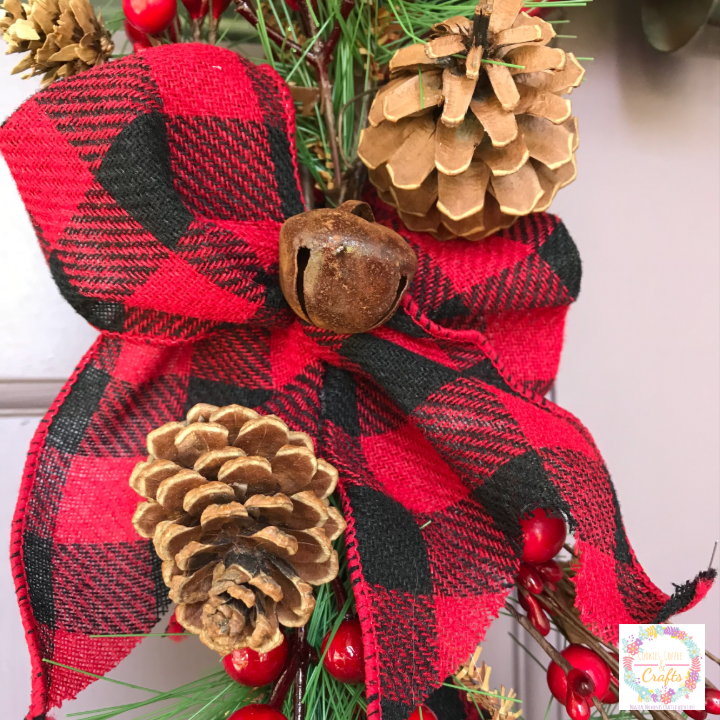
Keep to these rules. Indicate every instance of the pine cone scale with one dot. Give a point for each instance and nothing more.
(172, 491)
(504, 86)
(454, 147)
(518, 35)
(214, 517)
(415, 160)
(535, 59)
(503, 14)
(519, 192)
(463, 195)
(407, 99)
(418, 202)
(457, 93)
(551, 144)
(504, 161)
(444, 46)
(411, 56)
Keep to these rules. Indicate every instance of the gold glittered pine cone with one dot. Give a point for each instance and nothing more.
(472, 130)
(61, 37)
(236, 505)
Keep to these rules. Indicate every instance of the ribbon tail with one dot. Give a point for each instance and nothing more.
(428, 568)
(77, 577)
(515, 452)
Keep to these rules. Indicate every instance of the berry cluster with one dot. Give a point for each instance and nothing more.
(543, 538)
(343, 659)
(589, 677)
(146, 19)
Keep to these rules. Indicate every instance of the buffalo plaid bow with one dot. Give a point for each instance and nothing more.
(157, 185)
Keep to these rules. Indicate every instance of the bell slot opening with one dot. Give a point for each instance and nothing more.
(303, 258)
(400, 290)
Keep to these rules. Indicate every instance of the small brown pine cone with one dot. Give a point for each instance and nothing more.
(472, 130)
(61, 37)
(236, 505)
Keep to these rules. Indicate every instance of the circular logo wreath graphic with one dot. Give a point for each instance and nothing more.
(633, 646)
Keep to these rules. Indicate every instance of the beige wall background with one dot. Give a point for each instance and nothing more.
(642, 352)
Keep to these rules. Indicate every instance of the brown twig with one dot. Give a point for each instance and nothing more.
(549, 650)
(714, 658)
(326, 107)
(320, 62)
(588, 638)
(345, 9)
(303, 650)
(283, 683)
(306, 18)
(308, 187)
(341, 118)
(666, 715)
(242, 8)
(196, 25)
(213, 24)
(340, 594)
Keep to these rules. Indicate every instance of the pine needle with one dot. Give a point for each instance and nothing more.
(547, 712)
(528, 652)
(131, 635)
(481, 692)
(101, 677)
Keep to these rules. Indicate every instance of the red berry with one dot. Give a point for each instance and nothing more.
(150, 16)
(580, 683)
(138, 38)
(174, 628)
(584, 659)
(427, 713)
(530, 578)
(257, 712)
(535, 613)
(578, 708)
(344, 659)
(540, 621)
(295, 5)
(543, 536)
(610, 697)
(253, 669)
(696, 714)
(219, 7)
(712, 701)
(196, 8)
(550, 571)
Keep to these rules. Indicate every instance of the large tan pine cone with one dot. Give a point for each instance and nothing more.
(238, 512)
(61, 37)
(463, 147)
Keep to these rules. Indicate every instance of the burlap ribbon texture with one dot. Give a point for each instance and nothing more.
(157, 185)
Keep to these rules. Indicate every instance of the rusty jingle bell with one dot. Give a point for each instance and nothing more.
(342, 271)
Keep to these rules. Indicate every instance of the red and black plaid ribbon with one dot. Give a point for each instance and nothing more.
(157, 185)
